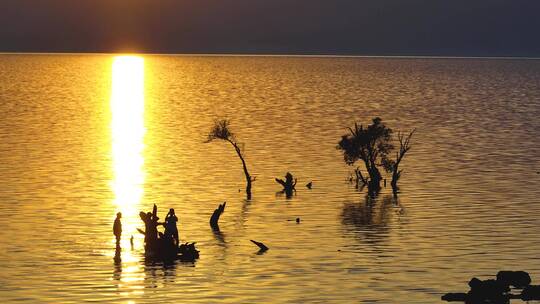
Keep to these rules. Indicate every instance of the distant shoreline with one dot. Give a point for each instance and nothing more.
(281, 55)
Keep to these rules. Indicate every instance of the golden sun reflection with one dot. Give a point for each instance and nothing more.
(127, 107)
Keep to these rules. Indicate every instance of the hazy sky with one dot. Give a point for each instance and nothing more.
(373, 27)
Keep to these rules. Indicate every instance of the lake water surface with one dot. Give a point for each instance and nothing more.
(82, 138)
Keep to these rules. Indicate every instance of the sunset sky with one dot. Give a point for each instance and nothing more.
(367, 27)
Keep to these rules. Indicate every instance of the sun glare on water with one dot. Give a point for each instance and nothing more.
(127, 107)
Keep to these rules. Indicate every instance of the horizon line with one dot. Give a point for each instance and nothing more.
(277, 55)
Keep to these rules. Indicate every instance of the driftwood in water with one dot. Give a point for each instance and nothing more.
(261, 246)
(215, 216)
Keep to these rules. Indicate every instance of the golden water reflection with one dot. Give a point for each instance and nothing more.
(55, 178)
(127, 107)
(127, 128)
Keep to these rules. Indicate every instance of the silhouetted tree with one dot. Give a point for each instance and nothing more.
(371, 145)
(393, 165)
(221, 131)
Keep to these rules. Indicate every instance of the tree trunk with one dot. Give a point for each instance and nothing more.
(215, 216)
(396, 174)
(375, 177)
(394, 178)
(246, 172)
(404, 146)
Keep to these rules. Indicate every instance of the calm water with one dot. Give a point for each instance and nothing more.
(76, 147)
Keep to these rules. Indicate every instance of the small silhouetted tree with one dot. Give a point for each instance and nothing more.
(371, 145)
(221, 131)
(391, 165)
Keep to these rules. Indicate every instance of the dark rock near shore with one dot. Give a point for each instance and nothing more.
(491, 291)
(518, 279)
(531, 292)
(488, 286)
(497, 291)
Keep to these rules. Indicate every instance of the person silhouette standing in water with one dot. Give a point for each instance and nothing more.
(170, 226)
(117, 228)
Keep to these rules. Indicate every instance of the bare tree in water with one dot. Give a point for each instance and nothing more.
(221, 131)
(393, 165)
(371, 145)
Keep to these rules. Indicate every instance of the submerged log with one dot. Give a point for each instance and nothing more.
(215, 216)
(454, 297)
(261, 246)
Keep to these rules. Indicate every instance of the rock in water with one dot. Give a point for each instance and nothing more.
(497, 291)
(491, 291)
(518, 279)
(531, 292)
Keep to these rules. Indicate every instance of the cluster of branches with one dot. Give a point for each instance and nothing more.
(372, 145)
